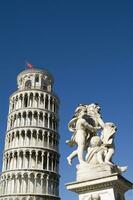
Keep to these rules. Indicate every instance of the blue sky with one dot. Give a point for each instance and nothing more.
(88, 47)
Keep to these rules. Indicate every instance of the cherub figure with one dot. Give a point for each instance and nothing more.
(84, 125)
(102, 148)
(95, 152)
(107, 138)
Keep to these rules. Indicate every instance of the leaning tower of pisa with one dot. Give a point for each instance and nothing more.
(31, 157)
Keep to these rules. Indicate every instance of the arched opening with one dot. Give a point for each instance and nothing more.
(43, 85)
(45, 139)
(39, 163)
(27, 159)
(21, 160)
(15, 160)
(42, 100)
(46, 120)
(30, 118)
(20, 100)
(41, 119)
(28, 136)
(24, 119)
(28, 84)
(36, 118)
(38, 183)
(19, 119)
(23, 137)
(34, 136)
(37, 78)
(31, 100)
(40, 138)
(45, 161)
(36, 100)
(46, 102)
(51, 103)
(33, 159)
(25, 100)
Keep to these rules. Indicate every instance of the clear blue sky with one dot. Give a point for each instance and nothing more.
(88, 46)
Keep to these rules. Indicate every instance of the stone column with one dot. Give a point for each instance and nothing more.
(48, 157)
(42, 160)
(30, 159)
(47, 184)
(41, 184)
(3, 166)
(48, 102)
(28, 185)
(39, 99)
(6, 185)
(49, 121)
(35, 185)
(48, 135)
(52, 162)
(36, 160)
(12, 185)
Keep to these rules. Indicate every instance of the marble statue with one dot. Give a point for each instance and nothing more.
(84, 125)
(94, 137)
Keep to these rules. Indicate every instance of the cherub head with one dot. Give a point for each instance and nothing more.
(95, 141)
(93, 107)
(80, 110)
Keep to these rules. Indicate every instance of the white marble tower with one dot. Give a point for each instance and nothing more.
(31, 157)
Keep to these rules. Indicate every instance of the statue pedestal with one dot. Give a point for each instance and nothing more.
(110, 187)
(86, 172)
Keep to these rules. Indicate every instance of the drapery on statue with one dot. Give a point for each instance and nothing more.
(85, 126)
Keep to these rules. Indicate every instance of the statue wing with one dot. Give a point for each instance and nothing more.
(107, 133)
(71, 142)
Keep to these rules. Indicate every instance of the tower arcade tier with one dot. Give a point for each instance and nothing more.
(31, 157)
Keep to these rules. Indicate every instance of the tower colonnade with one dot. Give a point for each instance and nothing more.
(36, 99)
(33, 137)
(32, 117)
(30, 159)
(30, 168)
(29, 183)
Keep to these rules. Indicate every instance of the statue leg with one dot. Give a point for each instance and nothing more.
(80, 139)
(80, 151)
(71, 156)
(108, 156)
(100, 156)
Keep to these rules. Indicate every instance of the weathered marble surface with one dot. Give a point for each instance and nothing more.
(112, 187)
(94, 139)
(97, 177)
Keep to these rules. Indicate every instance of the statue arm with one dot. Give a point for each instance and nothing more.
(89, 126)
(100, 121)
(72, 124)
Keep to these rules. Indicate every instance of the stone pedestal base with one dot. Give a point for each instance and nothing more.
(111, 187)
(90, 172)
